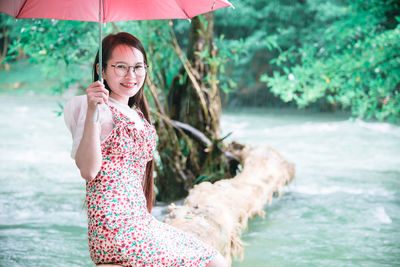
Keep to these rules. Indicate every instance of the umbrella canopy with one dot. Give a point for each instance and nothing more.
(110, 10)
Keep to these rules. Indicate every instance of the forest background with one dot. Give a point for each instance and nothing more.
(325, 55)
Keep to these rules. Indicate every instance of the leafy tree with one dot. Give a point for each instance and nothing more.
(353, 64)
(62, 49)
(260, 30)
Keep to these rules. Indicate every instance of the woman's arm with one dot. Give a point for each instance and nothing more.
(88, 156)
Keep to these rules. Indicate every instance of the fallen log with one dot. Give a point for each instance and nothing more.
(217, 213)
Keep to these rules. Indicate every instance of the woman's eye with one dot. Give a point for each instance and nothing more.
(122, 67)
(138, 67)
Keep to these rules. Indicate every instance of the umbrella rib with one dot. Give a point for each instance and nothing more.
(103, 18)
(22, 7)
(180, 5)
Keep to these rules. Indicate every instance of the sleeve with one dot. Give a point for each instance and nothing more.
(74, 117)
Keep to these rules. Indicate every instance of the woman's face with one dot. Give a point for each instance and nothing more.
(124, 87)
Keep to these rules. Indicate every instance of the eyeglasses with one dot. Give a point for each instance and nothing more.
(123, 69)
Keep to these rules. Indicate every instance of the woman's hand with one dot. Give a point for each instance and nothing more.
(96, 94)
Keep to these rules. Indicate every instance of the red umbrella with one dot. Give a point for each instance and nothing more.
(109, 10)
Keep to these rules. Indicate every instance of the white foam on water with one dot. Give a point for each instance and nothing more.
(337, 126)
(40, 156)
(239, 129)
(233, 124)
(321, 127)
(382, 127)
(381, 215)
(319, 190)
(21, 109)
(308, 127)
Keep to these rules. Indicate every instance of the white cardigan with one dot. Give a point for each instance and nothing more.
(75, 115)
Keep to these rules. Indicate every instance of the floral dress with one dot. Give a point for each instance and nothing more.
(121, 230)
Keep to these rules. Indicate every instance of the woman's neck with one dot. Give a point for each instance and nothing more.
(119, 100)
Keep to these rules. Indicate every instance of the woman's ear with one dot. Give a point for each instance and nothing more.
(102, 71)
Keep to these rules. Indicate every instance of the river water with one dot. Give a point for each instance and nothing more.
(342, 209)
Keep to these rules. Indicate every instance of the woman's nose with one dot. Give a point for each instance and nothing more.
(131, 72)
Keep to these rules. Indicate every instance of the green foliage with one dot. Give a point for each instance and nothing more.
(155, 36)
(353, 64)
(259, 30)
(63, 49)
(24, 78)
(60, 110)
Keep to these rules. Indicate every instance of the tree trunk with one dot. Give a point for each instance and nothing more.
(4, 47)
(218, 213)
(194, 100)
(184, 98)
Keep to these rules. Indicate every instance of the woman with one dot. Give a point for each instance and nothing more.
(114, 155)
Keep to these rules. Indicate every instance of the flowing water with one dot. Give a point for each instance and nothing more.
(342, 209)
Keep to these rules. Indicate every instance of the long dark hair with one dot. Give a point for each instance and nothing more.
(139, 100)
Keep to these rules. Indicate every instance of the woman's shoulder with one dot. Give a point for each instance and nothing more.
(72, 110)
(75, 103)
(75, 112)
(78, 104)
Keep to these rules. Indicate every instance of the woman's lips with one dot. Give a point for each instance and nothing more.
(128, 85)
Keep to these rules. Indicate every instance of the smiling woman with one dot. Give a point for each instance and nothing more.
(114, 155)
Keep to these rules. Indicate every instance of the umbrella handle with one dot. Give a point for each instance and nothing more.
(96, 112)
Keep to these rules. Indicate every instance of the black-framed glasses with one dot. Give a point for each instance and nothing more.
(122, 70)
